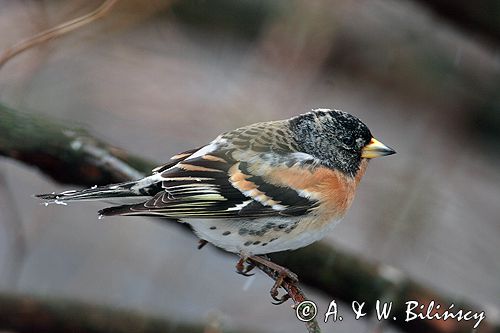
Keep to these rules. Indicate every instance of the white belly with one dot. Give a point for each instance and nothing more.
(258, 236)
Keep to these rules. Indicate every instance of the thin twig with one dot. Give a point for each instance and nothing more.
(56, 31)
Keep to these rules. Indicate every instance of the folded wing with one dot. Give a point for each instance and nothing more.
(216, 185)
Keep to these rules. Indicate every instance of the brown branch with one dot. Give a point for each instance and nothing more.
(44, 143)
(56, 31)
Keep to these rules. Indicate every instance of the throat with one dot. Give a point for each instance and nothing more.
(361, 170)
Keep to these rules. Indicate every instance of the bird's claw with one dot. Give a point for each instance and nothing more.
(243, 267)
(247, 263)
(245, 274)
(280, 300)
(201, 243)
(274, 291)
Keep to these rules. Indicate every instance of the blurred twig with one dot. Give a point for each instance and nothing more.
(23, 314)
(50, 146)
(57, 31)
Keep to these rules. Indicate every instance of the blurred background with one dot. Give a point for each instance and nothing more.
(159, 77)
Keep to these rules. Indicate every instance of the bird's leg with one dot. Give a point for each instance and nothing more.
(281, 273)
(243, 267)
(201, 243)
(279, 270)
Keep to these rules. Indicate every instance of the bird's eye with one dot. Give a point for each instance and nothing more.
(348, 141)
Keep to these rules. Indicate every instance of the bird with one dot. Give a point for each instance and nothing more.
(262, 188)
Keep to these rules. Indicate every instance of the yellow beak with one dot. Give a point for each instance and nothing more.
(376, 149)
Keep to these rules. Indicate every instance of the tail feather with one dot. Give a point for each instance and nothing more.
(116, 210)
(127, 210)
(121, 193)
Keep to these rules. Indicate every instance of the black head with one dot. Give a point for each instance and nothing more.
(334, 137)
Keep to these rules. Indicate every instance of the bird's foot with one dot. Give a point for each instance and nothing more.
(281, 274)
(244, 267)
(201, 243)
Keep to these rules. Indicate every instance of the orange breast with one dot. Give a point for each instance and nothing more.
(333, 189)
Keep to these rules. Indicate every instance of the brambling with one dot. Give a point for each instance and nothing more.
(262, 188)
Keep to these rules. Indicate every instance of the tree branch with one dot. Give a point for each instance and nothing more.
(50, 146)
(67, 155)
